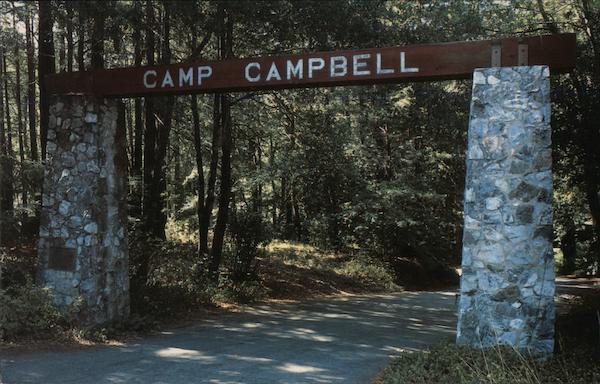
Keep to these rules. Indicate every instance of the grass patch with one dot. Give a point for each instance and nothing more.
(574, 361)
(451, 364)
(294, 270)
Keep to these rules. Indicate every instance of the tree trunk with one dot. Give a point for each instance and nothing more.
(136, 170)
(225, 180)
(17, 64)
(568, 245)
(164, 129)
(31, 102)
(70, 46)
(45, 66)
(297, 214)
(224, 188)
(97, 51)
(5, 205)
(212, 176)
(81, 35)
(9, 177)
(200, 207)
(61, 47)
(273, 186)
(148, 205)
(150, 131)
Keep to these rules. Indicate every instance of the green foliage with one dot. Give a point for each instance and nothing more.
(370, 272)
(27, 310)
(247, 232)
(243, 292)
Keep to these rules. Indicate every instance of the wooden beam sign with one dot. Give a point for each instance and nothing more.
(323, 69)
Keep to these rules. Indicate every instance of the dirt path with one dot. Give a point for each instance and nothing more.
(336, 340)
(339, 340)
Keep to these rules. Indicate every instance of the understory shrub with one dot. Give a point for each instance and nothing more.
(28, 310)
(243, 292)
(247, 232)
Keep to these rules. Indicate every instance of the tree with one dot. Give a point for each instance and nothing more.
(31, 102)
(45, 66)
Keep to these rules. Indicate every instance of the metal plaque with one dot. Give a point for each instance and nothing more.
(62, 259)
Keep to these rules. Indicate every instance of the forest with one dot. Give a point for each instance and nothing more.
(373, 172)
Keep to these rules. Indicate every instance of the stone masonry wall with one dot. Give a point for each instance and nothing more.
(507, 285)
(83, 243)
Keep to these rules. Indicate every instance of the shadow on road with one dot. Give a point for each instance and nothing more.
(340, 340)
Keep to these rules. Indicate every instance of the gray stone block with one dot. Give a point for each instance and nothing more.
(72, 187)
(507, 285)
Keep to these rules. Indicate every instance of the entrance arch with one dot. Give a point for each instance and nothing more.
(507, 285)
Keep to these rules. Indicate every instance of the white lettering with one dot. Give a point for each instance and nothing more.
(167, 80)
(403, 68)
(146, 75)
(380, 70)
(186, 77)
(252, 78)
(204, 72)
(315, 64)
(273, 73)
(338, 63)
(356, 65)
(294, 70)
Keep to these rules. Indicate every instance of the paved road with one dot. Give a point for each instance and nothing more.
(341, 340)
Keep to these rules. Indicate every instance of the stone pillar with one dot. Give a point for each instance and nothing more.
(83, 231)
(507, 284)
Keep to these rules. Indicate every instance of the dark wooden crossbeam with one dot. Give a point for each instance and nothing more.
(426, 62)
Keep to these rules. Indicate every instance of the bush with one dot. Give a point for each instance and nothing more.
(243, 292)
(27, 310)
(247, 233)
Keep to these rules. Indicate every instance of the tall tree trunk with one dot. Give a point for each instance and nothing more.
(179, 198)
(225, 180)
(297, 214)
(31, 102)
(97, 51)
(70, 45)
(163, 131)
(6, 156)
(45, 66)
(224, 188)
(18, 100)
(148, 207)
(273, 186)
(81, 35)
(136, 170)
(201, 183)
(157, 135)
(212, 176)
(9, 126)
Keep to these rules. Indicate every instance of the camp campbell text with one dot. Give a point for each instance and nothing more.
(356, 65)
(385, 65)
